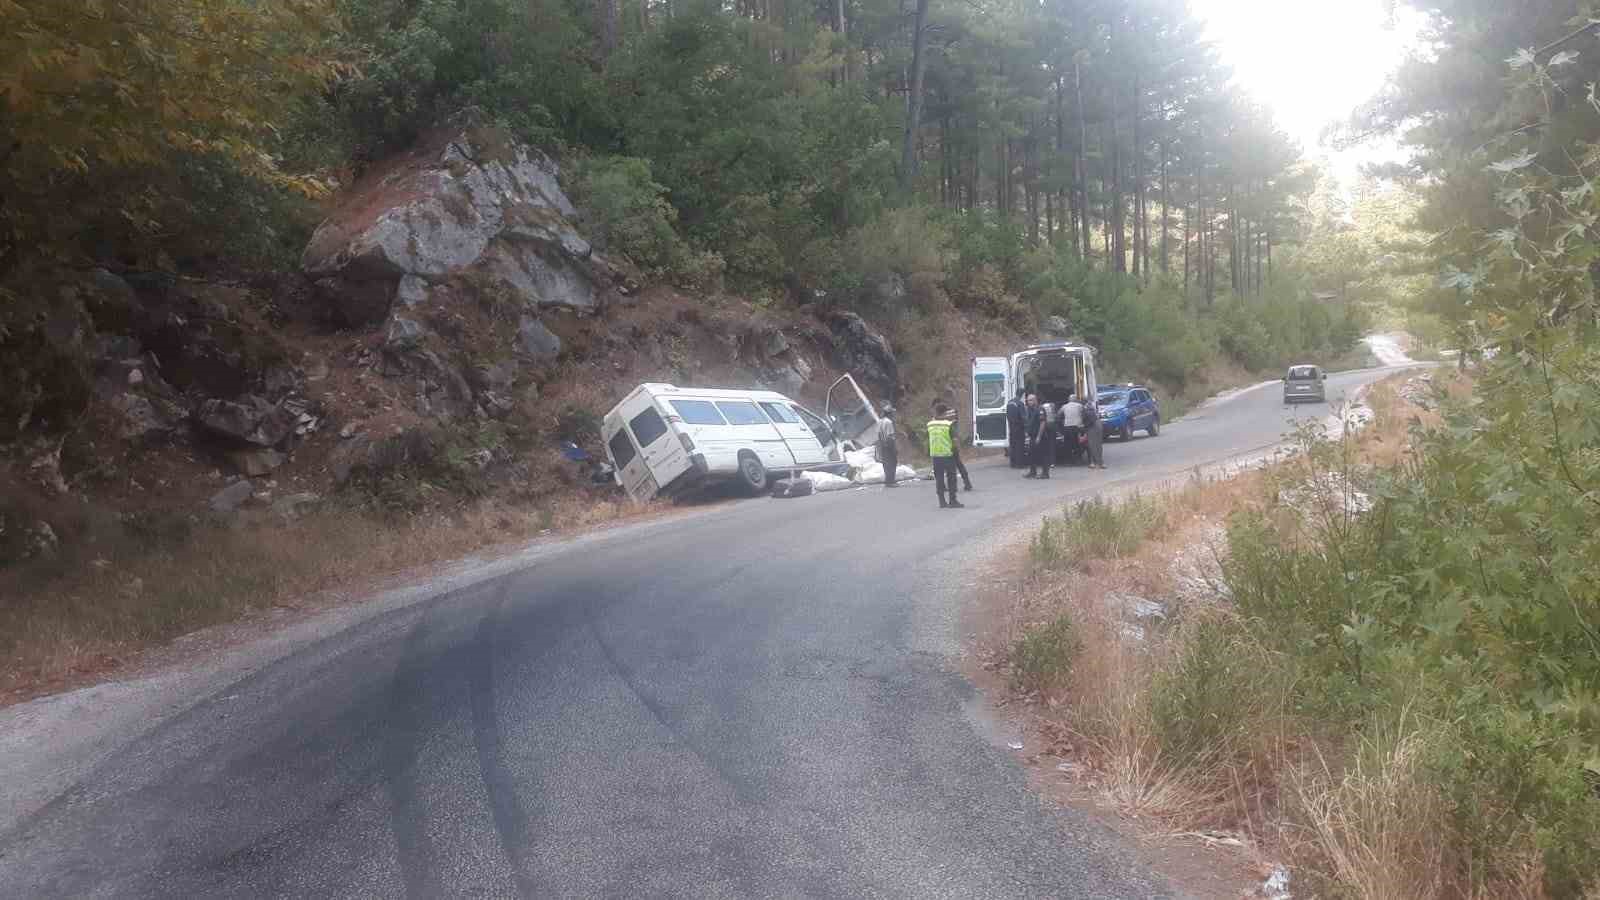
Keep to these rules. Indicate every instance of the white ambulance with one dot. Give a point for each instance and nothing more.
(1055, 371)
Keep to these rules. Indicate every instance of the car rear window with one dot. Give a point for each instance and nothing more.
(647, 427)
(1302, 373)
(621, 449)
(778, 413)
(698, 412)
(741, 412)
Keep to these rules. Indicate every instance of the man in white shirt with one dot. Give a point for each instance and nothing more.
(1072, 424)
(888, 450)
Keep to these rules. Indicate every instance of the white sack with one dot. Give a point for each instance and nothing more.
(873, 474)
(860, 459)
(827, 481)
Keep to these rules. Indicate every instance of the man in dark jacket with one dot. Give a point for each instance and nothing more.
(1017, 428)
(1041, 438)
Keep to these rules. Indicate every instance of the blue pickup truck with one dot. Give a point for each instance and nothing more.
(1126, 408)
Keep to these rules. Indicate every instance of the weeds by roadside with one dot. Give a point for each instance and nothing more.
(1335, 697)
(1097, 529)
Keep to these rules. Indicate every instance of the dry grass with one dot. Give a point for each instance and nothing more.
(82, 615)
(1376, 829)
(1183, 722)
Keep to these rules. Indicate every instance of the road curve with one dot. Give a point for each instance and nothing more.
(759, 701)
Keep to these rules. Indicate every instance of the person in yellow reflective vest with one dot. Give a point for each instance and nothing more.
(941, 447)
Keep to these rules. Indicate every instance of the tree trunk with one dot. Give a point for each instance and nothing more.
(1117, 221)
(1141, 255)
(1186, 253)
(606, 21)
(908, 157)
(1166, 258)
(1081, 176)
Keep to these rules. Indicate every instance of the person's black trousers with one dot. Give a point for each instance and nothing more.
(1044, 455)
(1072, 433)
(890, 457)
(944, 477)
(961, 468)
(1019, 449)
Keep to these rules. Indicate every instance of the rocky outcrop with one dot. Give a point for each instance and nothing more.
(459, 251)
(865, 353)
(469, 210)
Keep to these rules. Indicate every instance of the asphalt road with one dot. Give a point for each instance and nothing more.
(761, 700)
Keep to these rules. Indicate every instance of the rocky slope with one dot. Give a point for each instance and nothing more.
(450, 328)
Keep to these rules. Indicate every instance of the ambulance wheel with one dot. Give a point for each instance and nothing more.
(752, 474)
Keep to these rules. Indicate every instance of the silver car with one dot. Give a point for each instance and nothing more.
(1305, 383)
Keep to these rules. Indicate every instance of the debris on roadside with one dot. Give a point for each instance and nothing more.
(1276, 886)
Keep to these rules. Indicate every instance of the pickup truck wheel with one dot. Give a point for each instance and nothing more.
(752, 474)
(1155, 426)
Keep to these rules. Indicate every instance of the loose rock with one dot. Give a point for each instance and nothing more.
(231, 497)
(256, 462)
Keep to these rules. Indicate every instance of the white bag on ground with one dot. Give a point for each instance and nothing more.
(860, 459)
(827, 481)
(873, 474)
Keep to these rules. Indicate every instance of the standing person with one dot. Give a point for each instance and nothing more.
(949, 412)
(1095, 430)
(1072, 422)
(1041, 443)
(941, 447)
(888, 450)
(1017, 428)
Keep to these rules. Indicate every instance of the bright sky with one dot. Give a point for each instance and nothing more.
(1312, 61)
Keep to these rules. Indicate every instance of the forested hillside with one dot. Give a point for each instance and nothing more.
(1030, 155)
(745, 193)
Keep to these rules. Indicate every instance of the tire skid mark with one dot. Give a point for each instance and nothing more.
(743, 790)
(413, 849)
(510, 818)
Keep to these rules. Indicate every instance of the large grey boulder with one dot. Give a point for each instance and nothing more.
(866, 354)
(465, 206)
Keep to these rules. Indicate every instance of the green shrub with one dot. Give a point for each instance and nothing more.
(1098, 529)
(1206, 702)
(630, 214)
(524, 64)
(1042, 658)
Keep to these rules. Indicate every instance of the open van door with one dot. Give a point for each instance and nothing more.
(850, 413)
(990, 391)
